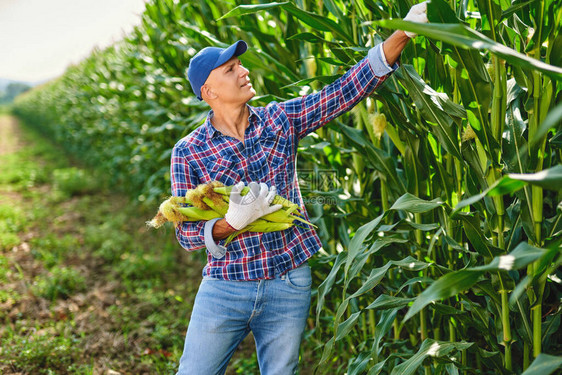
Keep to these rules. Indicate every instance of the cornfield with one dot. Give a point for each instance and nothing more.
(443, 229)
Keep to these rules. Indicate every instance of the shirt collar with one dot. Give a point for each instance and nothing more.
(212, 132)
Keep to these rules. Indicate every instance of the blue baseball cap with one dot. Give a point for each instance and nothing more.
(207, 59)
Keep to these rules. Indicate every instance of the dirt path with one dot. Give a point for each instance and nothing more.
(63, 303)
(85, 287)
(9, 139)
(10, 142)
(36, 335)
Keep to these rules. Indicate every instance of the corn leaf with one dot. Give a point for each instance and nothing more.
(385, 302)
(547, 179)
(411, 203)
(447, 286)
(471, 226)
(375, 156)
(328, 348)
(318, 22)
(383, 242)
(429, 348)
(410, 264)
(544, 364)
(425, 280)
(373, 280)
(326, 286)
(546, 259)
(356, 267)
(356, 243)
(552, 119)
(473, 80)
(242, 10)
(521, 256)
(457, 282)
(500, 187)
(436, 108)
(345, 327)
(464, 37)
(358, 365)
(383, 326)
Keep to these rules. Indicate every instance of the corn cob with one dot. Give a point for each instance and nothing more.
(259, 225)
(210, 201)
(285, 203)
(196, 214)
(170, 210)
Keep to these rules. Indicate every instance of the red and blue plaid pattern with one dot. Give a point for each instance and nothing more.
(268, 155)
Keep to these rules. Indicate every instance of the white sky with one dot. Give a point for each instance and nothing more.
(40, 38)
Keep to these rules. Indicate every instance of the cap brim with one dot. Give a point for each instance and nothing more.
(236, 49)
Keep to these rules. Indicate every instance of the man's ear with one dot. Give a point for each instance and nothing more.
(207, 92)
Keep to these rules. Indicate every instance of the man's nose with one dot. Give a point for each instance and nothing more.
(243, 71)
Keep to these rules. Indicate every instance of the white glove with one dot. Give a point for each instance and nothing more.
(417, 13)
(243, 210)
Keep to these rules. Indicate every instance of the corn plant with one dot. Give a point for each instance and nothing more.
(458, 229)
(442, 242)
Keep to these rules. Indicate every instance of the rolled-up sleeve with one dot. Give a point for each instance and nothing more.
(378, 62)
(190, 234)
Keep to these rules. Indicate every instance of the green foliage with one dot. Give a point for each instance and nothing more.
(59, 282)
(26, 174)
(12, 90)
(107, 240)
(42, 354)
(52, 250)
(453, 215)
(12, 221)
(74, 181)
(544, 364)
(4, 268)
(247, 366)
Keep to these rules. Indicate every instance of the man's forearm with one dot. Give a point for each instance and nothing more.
(221, 230)
(394, 45)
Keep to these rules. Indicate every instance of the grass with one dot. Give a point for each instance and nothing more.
(11, 222)
(85, 287)
(40, 352)
(59, 282)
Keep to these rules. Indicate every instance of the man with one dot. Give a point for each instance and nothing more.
(260, 282)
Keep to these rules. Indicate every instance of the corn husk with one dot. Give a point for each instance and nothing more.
(210, 201)
(379, 124)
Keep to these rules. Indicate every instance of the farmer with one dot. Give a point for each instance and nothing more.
(261, 282)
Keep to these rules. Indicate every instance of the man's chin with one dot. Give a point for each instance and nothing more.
(251, 94)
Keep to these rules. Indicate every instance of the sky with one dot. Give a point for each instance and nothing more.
(40, 38)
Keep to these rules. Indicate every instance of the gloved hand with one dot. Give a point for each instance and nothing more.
(243, 210)
(417, 13)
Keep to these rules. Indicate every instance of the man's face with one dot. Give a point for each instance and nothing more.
(230, 82)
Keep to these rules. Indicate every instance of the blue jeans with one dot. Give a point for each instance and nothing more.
(226, 311)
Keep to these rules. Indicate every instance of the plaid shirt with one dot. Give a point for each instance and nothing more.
(268, 154)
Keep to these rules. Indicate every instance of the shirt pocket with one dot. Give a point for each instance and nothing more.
(283, 167)
(224, 170)
(277, 148)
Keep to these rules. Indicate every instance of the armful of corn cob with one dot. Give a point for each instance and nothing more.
(211, 201)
